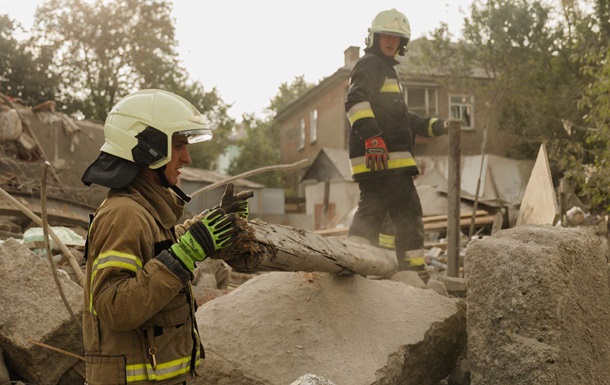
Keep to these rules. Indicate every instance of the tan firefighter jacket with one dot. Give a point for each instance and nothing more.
(139, 324)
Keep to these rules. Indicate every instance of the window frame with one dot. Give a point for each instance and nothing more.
(430, 102)
(462, 107)
(301, 128)
(313, 126)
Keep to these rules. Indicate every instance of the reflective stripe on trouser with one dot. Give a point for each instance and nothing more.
(163, 370)
(396, 159)
(394, 195)
(412, 260)
(386, 241)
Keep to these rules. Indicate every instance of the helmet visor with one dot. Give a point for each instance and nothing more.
(196, 136)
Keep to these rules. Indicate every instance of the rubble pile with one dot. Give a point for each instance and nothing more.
(533, 307)
(31, 135)
(534, 310)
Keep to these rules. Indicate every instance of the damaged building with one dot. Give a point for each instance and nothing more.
(292, 305)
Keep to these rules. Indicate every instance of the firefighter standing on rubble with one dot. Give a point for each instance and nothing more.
(139, 315)
(382, 136)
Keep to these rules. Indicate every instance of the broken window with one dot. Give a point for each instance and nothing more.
(462, 107)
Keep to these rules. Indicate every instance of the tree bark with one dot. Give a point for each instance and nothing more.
(263, 246)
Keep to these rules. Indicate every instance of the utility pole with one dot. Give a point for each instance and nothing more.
(453, 195)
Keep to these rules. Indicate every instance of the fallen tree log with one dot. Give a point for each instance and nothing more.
(264, 246)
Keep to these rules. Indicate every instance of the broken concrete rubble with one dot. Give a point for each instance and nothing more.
(536, 295)
(4, 376)
(32, 310)
(311, 379)
(44, 134)
(538, 307)
(350, 330)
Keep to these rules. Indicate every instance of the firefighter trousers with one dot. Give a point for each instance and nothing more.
(394, 195)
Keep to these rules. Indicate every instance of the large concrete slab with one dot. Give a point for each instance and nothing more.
(349, 330)
(538, 308)
(32, 309)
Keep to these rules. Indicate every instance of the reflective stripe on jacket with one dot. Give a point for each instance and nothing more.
(375, 106)
(139, 318)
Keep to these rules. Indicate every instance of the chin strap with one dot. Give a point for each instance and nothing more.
(165, 183)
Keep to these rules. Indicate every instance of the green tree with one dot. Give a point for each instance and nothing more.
(24, 74)
(260, 145)
(258, 148)
(215, 111)
(532, 81)
(590, 169)
(287, 93)
(548, 72)
(104, 50)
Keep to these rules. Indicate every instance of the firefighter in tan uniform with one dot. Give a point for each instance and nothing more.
(382, 136)
(139, 315)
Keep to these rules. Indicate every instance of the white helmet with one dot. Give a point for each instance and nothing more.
(138, 133)
(390, 22)
(140, 126)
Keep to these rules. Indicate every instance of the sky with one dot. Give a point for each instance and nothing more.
(246, 49)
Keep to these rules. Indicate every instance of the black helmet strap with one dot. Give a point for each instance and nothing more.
(165, 183)
(151, 147)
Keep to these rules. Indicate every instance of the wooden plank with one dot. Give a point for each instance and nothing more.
(484, 220)
(60, 212)
(464, 223)
(433, 218)
(55, 218)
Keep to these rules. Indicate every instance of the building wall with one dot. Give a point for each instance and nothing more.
(331, 132)
(471, 140)
(343, 194)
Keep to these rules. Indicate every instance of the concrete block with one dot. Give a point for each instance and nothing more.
(538, 307)
(32, 309)
(346, 329)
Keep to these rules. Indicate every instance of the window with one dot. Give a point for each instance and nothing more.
(313, 126)
(422, 101)
(462, 107)
(301, 133)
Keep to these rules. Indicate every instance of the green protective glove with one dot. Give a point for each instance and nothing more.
(215, 231)
(236, 203)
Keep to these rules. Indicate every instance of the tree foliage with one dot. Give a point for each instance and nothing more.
(104, 50)
(215, 111)
(260, 145)
(591, 171)
(287, 93)
(23, 74)
(546, 62)
(95, 52)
